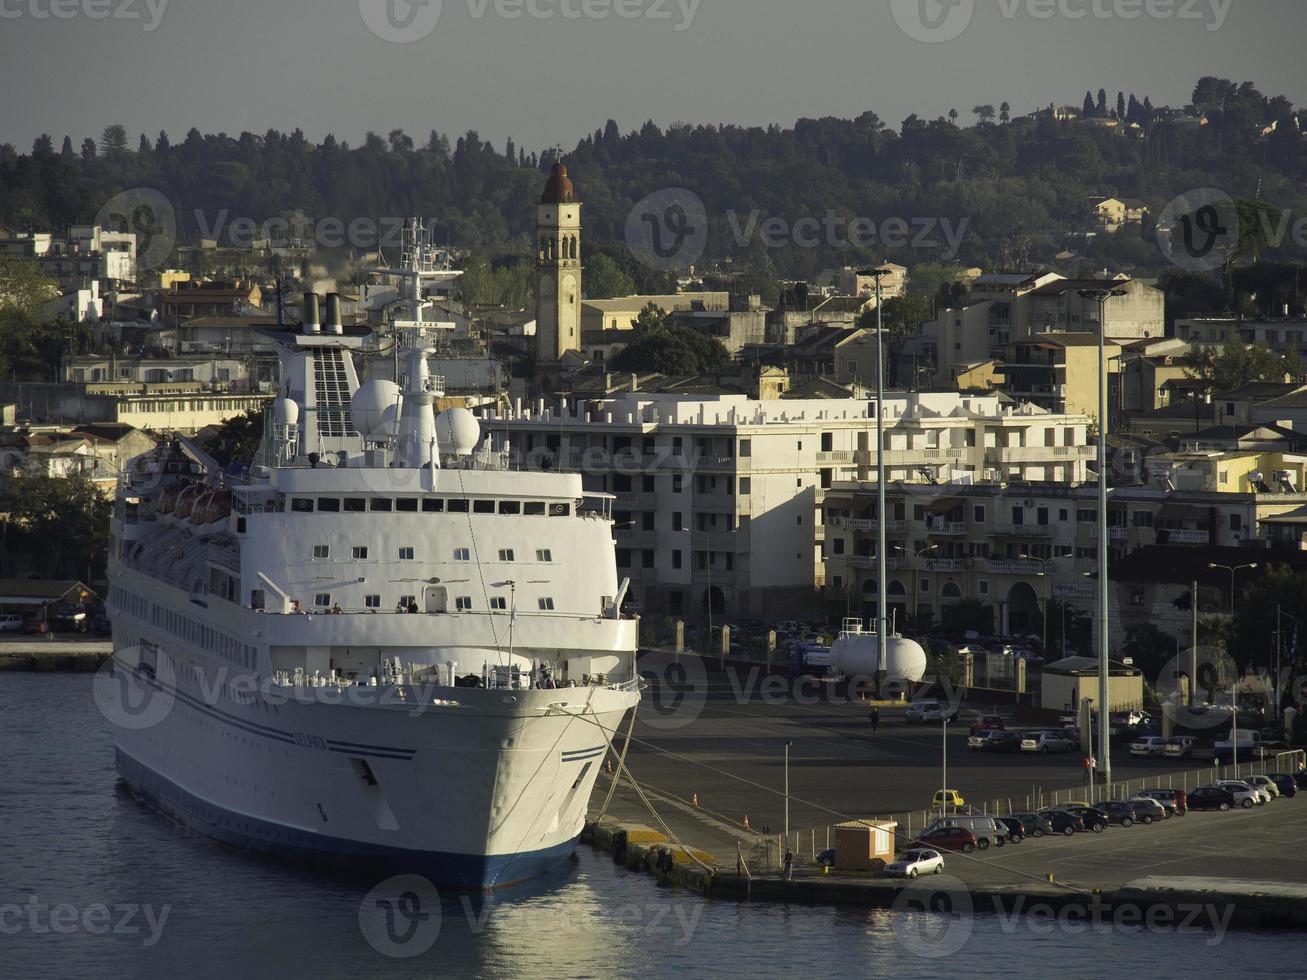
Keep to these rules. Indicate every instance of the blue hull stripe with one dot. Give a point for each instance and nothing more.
(464, 872)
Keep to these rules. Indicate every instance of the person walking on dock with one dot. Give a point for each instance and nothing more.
(789, 865)
(875, 721)
(1089, 766)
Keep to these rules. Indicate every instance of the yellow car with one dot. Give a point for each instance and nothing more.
(948, 797)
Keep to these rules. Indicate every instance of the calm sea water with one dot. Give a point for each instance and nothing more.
(95, 884)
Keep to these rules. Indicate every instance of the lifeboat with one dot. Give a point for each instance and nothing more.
(186, 501)
(169, 499)
(200, 509)
(219, 507)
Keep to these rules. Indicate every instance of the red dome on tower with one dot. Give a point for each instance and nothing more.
(558, 189)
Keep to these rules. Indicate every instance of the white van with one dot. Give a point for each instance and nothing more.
(987, 829)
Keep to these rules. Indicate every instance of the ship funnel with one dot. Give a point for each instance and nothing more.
(333, 322)
(312, 319)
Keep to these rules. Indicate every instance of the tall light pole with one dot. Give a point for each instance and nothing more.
(787, 792)
(1232, 569)
(1101, 296)
(1279, 648)
(916, 598)
(882, 538)
(691, 532)
(1047, 576)
(943, 790)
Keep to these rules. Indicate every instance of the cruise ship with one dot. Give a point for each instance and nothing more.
(383, 647)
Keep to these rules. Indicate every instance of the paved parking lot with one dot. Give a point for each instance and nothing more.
(723, 740)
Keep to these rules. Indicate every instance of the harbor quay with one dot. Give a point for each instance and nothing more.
(710, 811)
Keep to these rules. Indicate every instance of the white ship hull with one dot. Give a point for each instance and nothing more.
(478, 795)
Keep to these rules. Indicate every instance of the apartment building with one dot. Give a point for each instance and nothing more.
(719, 498)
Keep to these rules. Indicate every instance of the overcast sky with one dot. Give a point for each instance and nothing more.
(317, 64)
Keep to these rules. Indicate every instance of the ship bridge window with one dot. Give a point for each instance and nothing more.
(506, 555)
(433, 506)
(322, 551)
(483, 506)
(322, 600)
(355, 505)
(301, 505)
(534, 509)
(361, 554)
(382, 505)
(406, 554)
(462, 554)
(372, 601)
(407, 505)
(546, 605)
(510, 507)
(460, 506)
(498, 602)
(463, 603)
(560, 510)
(329, 505)
(544, 555)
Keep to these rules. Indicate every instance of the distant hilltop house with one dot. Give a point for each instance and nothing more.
(1111, 214)
(1057, 113)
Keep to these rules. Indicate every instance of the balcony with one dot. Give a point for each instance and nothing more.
(1180, 536)
(893, 564)
(1017, 455)
(1002, 567)
(844, 458)
(1113, 533)
(859, 524)
(947, 529)
(1027, 531)
(948, 564)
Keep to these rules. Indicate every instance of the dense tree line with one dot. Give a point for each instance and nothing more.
(1018, 183)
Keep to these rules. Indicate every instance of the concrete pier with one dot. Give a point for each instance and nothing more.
(52, 653)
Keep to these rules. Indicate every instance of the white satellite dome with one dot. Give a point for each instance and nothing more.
(906, 659)
(373, 408)
(286, 411)
(457, 431)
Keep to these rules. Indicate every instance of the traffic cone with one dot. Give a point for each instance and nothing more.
(746, 821)
(695, 800)
(610, 767)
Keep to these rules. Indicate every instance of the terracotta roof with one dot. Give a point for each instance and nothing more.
(558, 189)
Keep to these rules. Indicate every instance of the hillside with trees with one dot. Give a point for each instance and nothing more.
(1020, 184)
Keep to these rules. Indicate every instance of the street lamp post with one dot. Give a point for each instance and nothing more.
(1280, 614)
(787, 792)
(1101, 296)
(1232, 569)
(916, 597)
(882, 546)
(943, 794)
(1047, 576)
(691, 532)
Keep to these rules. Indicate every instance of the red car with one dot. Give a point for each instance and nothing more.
(988, 723)
(950, 839)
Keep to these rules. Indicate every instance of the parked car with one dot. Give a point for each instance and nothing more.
(947, 798)
(1248, 743)
(987, 830)
(976, 741)
(1002, 742)
(987, 723)
(1285, 784)
(1062, 822)
(11, 624)
(920, 712)
(69, 619)
(1148, 747)
(1244, 795)
(1045, 742)
(1180, 747)
(1211, 798)
(1095, 820)
(1034, 824)
(1118, 812)
(949, 839)
(912, 864)
(1265, 783)
(1175, 798)
(1016, 830)
(1300, 779)
(1149, 810)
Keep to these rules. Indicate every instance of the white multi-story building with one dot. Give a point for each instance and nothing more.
(719, 499)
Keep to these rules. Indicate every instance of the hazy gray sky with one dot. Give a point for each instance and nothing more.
(551, 77)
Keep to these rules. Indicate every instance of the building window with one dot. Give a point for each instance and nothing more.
(321, 551)
(498, 602)
(322, 600)
(746, 486)
(506, 555)
(462, 554)
(983, 587)
(544, 556)
(647, 520)
(623, 557)
(1236, 522)
(360, 554)
(678, 482)
(647, 558)
(678, 523)
(746, 448)
(372, 601)
(838, 545)
(676, 559)
(406, 554)
(546, 605)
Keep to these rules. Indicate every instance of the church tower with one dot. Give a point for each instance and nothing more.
(558, 273)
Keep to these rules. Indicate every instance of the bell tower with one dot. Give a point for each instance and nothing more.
(558, 269)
